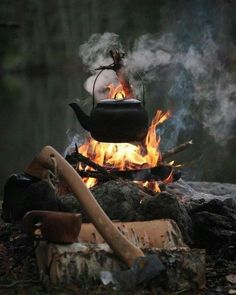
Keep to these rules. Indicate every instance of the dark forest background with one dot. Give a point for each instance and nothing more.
(41, 72)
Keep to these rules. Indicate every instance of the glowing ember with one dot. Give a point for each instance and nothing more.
(126, 156)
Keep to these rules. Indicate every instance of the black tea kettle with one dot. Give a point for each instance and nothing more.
(113, 120)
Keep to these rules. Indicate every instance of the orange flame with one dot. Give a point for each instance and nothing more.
(116, 92)
(126, 156)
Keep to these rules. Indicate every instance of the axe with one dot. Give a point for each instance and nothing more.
(142, 268)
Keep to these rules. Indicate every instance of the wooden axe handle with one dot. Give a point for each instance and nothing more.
(118, 243)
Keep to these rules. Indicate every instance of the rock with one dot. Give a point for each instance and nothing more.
(211, 207)
(41, 196)
(231, 278)
(213, 231)
(14, 195)
(23, 193)
(225, 208)
(72, 204)
(214, 224)
(223, 190)
(203, 190)
(167, 206)
(119, 199)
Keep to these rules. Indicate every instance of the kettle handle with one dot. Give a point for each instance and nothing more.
(143, 89)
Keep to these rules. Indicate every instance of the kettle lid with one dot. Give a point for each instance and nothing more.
(112, 101)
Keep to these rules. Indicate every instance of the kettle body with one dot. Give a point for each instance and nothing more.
(115, 121)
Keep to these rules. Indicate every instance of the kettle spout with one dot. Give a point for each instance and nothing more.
(81, 116)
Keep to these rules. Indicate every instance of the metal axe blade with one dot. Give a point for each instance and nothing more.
(144, 269)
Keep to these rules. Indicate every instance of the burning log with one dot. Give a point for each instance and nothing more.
(85, 160)
(177, 149)
(158, 173)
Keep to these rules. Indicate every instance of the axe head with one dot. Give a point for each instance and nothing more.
(144, 269)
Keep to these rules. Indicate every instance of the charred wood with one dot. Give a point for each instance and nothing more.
(158, 173)
(94, 174)
(77, 157)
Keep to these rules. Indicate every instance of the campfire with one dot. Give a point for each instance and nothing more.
(123, 156)
(126, 156)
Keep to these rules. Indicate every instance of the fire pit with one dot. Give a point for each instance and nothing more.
(143, 267)
(158, 243)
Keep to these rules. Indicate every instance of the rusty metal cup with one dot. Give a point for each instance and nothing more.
(57, 227)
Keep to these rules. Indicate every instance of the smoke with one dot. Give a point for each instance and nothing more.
(200, 80)
(192, 77)
(95, 53)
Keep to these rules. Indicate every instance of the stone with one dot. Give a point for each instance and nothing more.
(119, 199)
(23, 193)
(213, 231)
(166, 205)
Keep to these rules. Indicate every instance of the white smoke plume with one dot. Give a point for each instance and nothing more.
(195, 77)
(95, 53)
